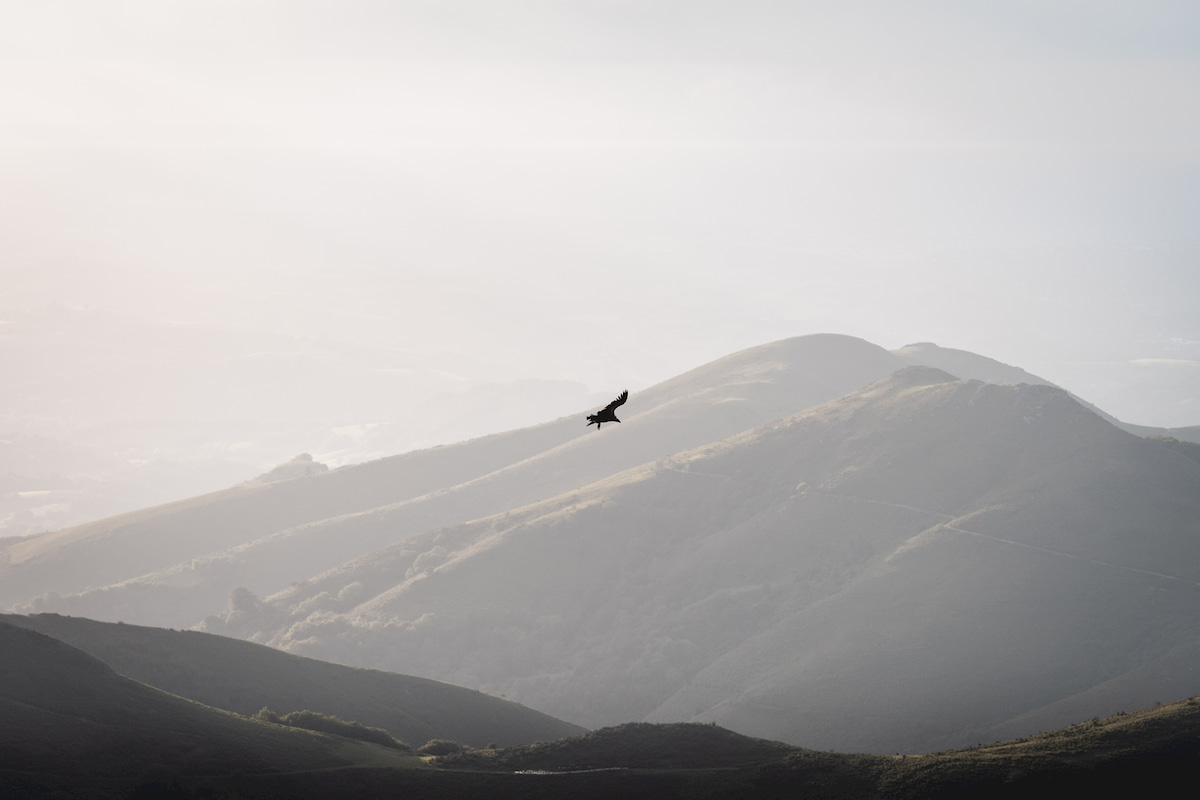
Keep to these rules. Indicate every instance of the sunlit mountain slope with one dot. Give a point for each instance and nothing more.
(907, 567)
(174, 564)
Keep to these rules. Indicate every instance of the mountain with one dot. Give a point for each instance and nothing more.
(243, 677)
(172, 565)
(761, 538)
(913, 566)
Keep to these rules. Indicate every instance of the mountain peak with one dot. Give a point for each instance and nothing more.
(914, 376)
(965, 364)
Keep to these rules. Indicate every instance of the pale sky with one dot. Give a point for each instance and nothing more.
(614, 192)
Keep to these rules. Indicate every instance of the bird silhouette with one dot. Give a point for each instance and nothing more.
(608, 414)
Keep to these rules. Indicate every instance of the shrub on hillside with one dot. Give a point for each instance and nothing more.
(313, 721)
(267, 715)
(439, 747)
(325, 723)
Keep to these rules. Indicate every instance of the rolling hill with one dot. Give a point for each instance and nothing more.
(242, 677)
(71, 728)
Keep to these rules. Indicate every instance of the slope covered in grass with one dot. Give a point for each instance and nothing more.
(1149, 751)
(71, 728)
(175, 564)
(244, 677)
(67, 720)
(909, 567)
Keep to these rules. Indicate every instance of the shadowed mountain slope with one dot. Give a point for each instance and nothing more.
(908, 567)
(71, 727)
(243, 677)
(265, 537)
(1146, 752)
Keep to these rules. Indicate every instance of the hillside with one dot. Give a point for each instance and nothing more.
(71, 727)
(909, 567)
(243, 677)
(999, 558)
(118, 548)
(1146, 752)
(175, 564)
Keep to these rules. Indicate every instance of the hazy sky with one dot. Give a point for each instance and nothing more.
(613, 192)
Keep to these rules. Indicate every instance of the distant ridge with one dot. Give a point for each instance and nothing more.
(175, 533)
(965, 364)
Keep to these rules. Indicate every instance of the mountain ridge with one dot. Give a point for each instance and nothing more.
(868, 480)
(190, 566)
(667, 568)
(731, 394)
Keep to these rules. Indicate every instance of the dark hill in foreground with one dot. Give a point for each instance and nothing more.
(71, 728)
(243, 677)
(1146, 752)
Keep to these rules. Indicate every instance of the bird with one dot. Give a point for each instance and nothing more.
(609, 412)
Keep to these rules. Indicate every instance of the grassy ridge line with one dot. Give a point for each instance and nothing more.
(1147, 749)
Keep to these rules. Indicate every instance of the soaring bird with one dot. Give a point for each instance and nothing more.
(609, 413)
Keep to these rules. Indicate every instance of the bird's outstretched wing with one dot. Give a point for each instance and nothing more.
(608, 413)
(621, 398)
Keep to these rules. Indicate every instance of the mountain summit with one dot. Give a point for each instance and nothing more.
(174, 564)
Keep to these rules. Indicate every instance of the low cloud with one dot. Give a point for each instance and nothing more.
(1165, 362)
